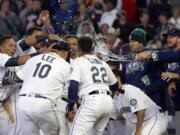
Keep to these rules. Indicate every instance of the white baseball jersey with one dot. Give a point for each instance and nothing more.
(42, 69)
(92, 74)
(5, 90)
(132, 101)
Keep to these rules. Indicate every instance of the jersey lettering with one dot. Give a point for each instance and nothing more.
(94, 61)
(48, 58)
(133, 67)
(125, 109)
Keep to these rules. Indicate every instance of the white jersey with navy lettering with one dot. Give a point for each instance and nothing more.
(42, 69)
(92, 74)
(5, 91)
(45, 83)
(134, 100)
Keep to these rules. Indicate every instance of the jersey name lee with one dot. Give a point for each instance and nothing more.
(48, 58)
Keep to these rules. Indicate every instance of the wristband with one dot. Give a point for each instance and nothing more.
(69, 107)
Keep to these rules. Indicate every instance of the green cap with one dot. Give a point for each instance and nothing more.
(139, 35)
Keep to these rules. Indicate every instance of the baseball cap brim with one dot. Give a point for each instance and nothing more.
(174, 32)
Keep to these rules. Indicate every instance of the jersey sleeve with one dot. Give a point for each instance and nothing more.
(75, 71)
(135, 99)
(3, 59)
(166, 56)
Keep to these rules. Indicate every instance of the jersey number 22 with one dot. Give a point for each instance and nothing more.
(99, 75)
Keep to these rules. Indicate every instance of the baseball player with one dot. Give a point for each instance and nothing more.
(143, 74)
(90, 80)
(72, 42)
(137, 108)
(173, 68)
(52, 71)
(7, 50)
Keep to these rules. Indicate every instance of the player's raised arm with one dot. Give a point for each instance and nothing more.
(164, 56)
(33, 40)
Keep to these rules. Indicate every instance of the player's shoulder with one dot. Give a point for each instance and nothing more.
(130, 89)
(4, 55)
(35, 58)
(3, 59)
(77, 60)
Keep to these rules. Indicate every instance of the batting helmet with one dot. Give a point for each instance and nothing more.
(61, 45)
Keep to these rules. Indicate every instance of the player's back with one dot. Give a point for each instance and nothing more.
(92, 73)
(46, 74)
(136, 99)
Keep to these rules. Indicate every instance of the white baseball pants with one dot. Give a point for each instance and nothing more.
(157, 125)
(94, 113)
(4, 121)
(38, 113)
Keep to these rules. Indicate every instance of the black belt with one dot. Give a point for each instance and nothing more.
(39, 96)
(98, 92)
(34, 95)
(65, 99)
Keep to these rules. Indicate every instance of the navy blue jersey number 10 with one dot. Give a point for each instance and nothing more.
(42, 71)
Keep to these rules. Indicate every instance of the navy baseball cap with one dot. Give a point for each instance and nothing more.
(172, 32)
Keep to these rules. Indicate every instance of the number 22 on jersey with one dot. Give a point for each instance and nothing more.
(99, 74)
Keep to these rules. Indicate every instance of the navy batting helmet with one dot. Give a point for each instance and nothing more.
(61, 45)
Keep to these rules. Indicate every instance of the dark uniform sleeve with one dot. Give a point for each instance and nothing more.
(166, 56)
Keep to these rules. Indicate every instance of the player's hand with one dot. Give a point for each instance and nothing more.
(43, 17)
(143, 56)
(171, 89)
(54, 37)
(70, 115)
(169, 76)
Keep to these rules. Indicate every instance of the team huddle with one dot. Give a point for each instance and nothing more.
(59, 92)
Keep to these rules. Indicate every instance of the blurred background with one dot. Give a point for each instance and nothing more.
(110, 18)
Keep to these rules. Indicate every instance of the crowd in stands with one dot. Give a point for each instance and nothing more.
(114, 19)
